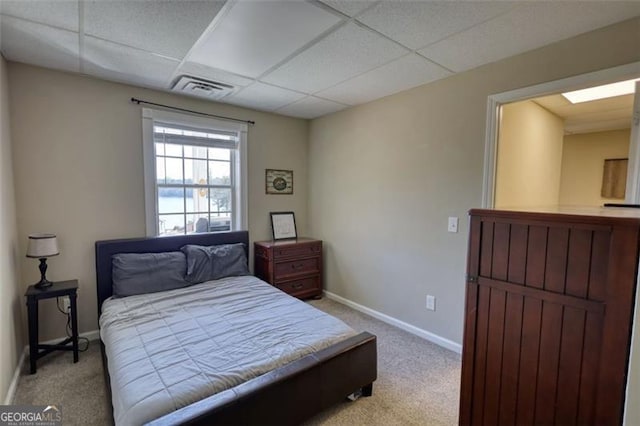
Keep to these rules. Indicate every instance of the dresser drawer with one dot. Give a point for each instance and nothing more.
(303, 285)
(297, 250)
(294, 267)
(297, 267)
(261, 251)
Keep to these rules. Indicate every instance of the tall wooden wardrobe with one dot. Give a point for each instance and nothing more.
(549, 310)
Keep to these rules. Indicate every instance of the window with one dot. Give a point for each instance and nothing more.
(193, 174)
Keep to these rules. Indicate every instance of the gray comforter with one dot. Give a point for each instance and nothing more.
(167, 350)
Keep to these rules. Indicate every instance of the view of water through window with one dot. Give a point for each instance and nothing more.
(194, 186)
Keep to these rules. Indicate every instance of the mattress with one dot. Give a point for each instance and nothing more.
(170, 349)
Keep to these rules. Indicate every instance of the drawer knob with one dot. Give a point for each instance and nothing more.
(298, 266)
(297, 285)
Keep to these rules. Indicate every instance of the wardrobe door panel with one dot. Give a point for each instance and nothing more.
(548, 318)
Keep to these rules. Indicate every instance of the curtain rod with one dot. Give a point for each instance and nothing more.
(140, 101)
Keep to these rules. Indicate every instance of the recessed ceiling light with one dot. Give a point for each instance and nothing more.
(601, 92)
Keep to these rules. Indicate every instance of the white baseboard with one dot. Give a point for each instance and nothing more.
(11, 393)
(91, 335)
(427, 335)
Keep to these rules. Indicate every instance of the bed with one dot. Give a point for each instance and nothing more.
(297, 387)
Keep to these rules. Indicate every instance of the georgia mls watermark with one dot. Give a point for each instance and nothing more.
(30, 415)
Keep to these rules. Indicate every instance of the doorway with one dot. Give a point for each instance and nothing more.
(552, 152)
(495, 105)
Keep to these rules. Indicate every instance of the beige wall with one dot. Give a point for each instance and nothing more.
(79, 171)
(529, 156)
(582, 165)
(11, 326)
(384, 176)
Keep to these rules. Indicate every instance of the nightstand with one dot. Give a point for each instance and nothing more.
(34, 295)
(293, 266)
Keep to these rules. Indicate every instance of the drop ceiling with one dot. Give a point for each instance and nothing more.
(595, 116)
(296, 58)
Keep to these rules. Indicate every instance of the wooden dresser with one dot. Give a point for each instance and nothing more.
(294, 266)
(548, 316)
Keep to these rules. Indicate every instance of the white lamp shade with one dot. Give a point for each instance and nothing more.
(42, 245)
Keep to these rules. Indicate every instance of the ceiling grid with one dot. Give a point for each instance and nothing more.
(297, 58)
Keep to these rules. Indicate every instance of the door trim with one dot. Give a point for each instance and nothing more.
(633, 182)
(495, 101)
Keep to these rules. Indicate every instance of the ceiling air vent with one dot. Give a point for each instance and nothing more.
(195, 86)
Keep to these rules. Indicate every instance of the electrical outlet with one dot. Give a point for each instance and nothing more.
(431, 302)
(66, 304)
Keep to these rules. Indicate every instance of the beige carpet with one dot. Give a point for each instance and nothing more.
(418, 382)
(77, 388)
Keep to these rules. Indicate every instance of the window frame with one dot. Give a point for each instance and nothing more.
(239, 163)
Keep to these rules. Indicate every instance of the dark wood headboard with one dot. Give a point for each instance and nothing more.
(106, 249)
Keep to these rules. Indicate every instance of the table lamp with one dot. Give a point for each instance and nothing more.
(40, 247)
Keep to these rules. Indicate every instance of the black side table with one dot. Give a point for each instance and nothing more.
(36, 350)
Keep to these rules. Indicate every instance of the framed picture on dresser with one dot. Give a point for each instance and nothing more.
(283, 225)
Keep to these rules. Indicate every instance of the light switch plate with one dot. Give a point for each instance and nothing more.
(453, 224)
(431, 302)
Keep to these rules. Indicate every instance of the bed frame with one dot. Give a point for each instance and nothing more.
(285, 396)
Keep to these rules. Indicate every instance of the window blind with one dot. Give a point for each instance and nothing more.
(186, 135)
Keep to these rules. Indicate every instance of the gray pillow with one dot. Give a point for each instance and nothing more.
(137, 273)
(205, 263)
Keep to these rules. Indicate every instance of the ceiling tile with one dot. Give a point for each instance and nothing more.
(311, 107)
(40, 45)
(61, 14)
(560, 106)
(120, 63)
(529, 26)
(571, 127)
(401, 74)
(554, 103)
(349, 7)
(255, 36)
(343, 54)
(165, 27)
(416, 24)
(208, 73)
(265, 97)
(616, 114)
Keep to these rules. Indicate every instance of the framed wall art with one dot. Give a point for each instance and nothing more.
(279, 181)
(283, 225)
(614, 178)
